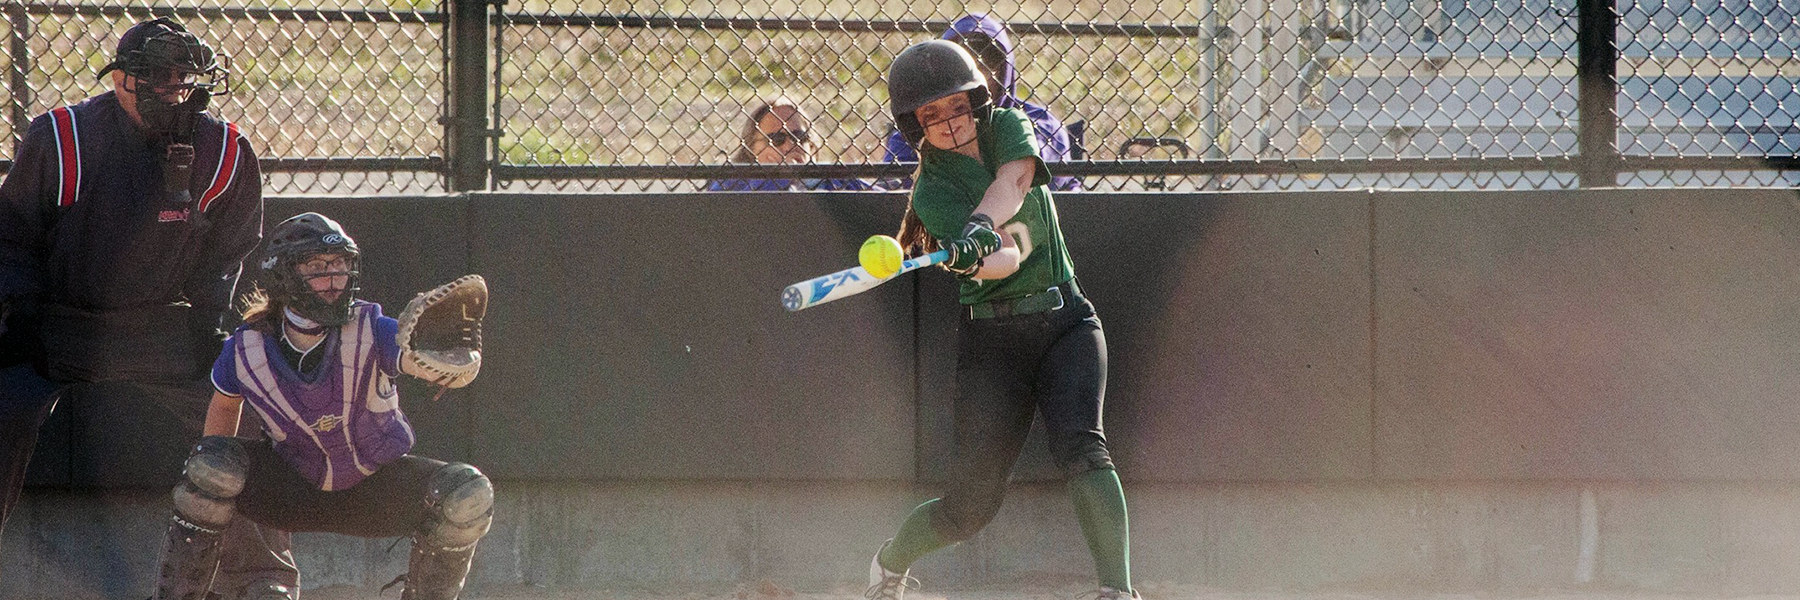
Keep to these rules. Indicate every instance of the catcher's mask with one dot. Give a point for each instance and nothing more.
(928, 71)
(171, 73)
(305, 238)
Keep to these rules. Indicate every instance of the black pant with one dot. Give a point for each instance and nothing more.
(389, 503)
(26, 400)
(143, 365)
(1053, 363)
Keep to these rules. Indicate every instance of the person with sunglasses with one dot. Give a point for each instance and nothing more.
(1029, 341)
(987, 39)
(778, 133)
(123, 223)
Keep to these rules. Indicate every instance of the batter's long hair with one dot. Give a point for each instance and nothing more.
(913, 237)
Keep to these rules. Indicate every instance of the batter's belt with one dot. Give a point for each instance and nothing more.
(1030, 304)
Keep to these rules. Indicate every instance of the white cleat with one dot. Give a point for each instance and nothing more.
(885, 584)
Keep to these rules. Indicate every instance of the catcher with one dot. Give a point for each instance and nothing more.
(318, 366)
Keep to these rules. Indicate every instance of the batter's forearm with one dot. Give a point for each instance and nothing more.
(1007, 192)
(999, 265)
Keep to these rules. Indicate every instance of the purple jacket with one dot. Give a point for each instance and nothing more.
(345, 423)
(782, 185)
(1053, 138)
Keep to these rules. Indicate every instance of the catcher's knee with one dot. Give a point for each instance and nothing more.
(214, 475)
(461, 501)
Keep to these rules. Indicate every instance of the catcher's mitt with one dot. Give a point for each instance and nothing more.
(440, 332)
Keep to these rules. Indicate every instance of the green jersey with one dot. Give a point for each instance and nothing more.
(950, 186)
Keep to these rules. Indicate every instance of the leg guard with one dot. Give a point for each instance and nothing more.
(257, 563)
(205, 502)
(461, 504)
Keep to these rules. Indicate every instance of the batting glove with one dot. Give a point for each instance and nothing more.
(978, 240)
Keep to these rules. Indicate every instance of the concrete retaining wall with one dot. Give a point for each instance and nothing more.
(1613, 335)
(1703, 539)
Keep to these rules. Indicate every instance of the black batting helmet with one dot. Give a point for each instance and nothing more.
(928, 71)
(158, 50)
(294, 241)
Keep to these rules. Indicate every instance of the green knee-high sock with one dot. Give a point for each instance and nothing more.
(1100, 504)
(916, 539)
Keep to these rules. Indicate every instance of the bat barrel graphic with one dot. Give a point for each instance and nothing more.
(848, 282)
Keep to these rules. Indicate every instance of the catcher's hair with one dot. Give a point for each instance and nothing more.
(261, 311)
(752, 131)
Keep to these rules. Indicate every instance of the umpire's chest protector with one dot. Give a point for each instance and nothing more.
(343, 424)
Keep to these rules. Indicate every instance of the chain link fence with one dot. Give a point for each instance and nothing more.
(334, 96)
(629, 95)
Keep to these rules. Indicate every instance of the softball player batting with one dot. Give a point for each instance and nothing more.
(318, 367)
(1028, 341)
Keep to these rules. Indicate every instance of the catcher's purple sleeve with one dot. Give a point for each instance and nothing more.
(387, 349)
(224, 371)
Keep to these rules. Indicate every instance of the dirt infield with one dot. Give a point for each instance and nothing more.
(1151, 591)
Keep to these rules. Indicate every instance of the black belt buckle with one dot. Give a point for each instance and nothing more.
(1059, 300)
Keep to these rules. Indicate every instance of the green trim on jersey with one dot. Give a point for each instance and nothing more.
(951, 185)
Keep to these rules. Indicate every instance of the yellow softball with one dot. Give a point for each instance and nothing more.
(880, 256)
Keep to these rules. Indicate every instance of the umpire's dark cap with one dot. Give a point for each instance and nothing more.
(135, 38)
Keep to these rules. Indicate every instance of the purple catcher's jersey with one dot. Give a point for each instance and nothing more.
(343, 425)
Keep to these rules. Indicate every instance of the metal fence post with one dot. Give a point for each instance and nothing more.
(1597, 69)
(466, 128)
(18, 25)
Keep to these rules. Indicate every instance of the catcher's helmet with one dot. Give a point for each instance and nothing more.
(928, 71)
(160, 50)
(294, 241)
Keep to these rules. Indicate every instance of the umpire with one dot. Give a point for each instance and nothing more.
(122, 226)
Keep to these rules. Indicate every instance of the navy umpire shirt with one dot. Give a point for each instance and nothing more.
(84, 221)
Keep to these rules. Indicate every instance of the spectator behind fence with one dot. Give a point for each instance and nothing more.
(778, 133)
(986, 38)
